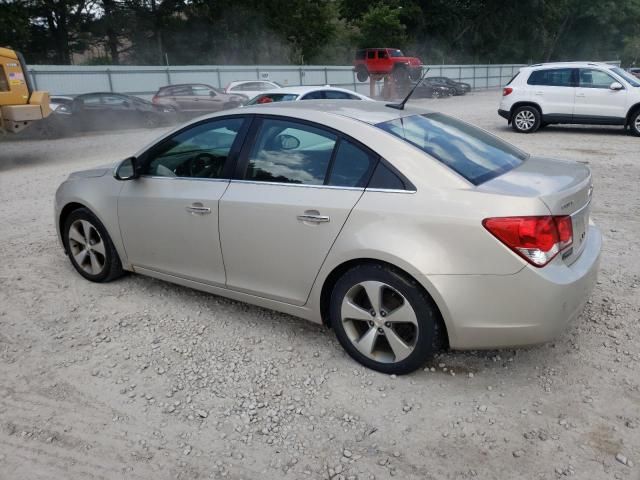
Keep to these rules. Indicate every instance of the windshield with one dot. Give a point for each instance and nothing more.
(469, 151)
(396, 53)
(272, 97)
(635, 82)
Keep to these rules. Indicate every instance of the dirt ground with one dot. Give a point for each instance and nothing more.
(140, 379)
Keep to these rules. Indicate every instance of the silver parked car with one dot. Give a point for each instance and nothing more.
(403, 230)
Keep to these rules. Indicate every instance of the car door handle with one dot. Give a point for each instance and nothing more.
(198, 209)
(313, 217)
(580, 95)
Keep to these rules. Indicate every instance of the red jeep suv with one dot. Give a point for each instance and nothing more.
(372, 61)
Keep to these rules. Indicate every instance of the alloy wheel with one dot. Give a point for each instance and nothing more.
(637, 124)
(379, 321)
(87, 247)
(525, 120)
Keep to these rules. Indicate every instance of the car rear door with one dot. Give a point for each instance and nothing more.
(554, 89)
(297, 183)
(169, 215)
(596, 101)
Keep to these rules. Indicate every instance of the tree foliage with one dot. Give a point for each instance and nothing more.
(307, 31)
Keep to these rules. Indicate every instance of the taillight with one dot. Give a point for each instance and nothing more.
(154, 100)
(536, 239)
(506, 91)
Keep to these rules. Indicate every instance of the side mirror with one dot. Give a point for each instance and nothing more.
(616, 86)
(127, 170)
(288, 142)
(212, 93)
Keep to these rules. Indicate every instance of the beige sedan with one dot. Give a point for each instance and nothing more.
(403, 230)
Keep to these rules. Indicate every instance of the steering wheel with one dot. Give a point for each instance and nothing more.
(203, 165)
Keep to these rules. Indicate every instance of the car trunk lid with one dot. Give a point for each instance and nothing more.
(564, 187)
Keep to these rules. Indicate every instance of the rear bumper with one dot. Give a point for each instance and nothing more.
(526, 308)
(505, 114)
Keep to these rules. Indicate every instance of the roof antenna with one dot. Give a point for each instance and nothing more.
(400, 106)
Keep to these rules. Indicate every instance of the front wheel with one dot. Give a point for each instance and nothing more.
(634, 124)
(362, 74)
(383, 319)
(89, 247)
(526, 119)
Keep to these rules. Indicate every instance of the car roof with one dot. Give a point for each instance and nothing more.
(368, 112)
(569, 65)
(240, 82)
(306, 89)
(186, 85)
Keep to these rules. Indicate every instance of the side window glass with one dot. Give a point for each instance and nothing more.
(290, 152)
(557, 77)
(371, 54)
(314, 95)
(199, 152)
(90, 100)
(590, 78)
(351, 166)
(384, 177)
(382, 54)
(200, 91)
(4, 84)
(114, 100)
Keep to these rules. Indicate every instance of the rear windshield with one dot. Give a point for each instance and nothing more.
(469, 151)
(272, 97)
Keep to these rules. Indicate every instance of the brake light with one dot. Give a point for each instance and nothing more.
(536, 239)
(154, 100)
(506, 91)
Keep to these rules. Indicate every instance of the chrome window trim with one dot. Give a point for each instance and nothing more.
(328, 187)
(225, 180)
(390, 190)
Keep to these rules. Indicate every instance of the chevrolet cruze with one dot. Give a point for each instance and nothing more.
(404, 230)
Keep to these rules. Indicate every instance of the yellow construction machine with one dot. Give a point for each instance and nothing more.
(19, 104)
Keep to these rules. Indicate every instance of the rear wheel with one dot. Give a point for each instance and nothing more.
(401, 75)
(90, 248)
(362, 74)
(526, 119)
(151, 120)
(415, 74)
(634, 124)
(383, 319)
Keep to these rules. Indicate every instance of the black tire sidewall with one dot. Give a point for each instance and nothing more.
(535, 112)
(112, 265)
(422, 305)
(632, 124)
(362, 74)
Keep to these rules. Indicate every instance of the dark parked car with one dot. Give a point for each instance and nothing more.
(196, 99)
(635, 71)
(101, 111)
(428, 90)
(459, 88)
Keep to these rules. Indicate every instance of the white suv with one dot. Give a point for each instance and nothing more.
(581, 93)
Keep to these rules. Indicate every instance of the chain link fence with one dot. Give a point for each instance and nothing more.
(145, 81)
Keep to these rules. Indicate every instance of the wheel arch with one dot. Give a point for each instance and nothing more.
(524, 103)
(333, 276)
(64, 214)
(632, 111)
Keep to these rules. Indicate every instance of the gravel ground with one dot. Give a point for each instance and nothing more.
(142, 379)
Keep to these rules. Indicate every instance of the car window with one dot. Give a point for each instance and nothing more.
(319, 94)
(272, 97)
(199, 152)
(202, 91)
(181, 91)
(336, 95)
(591, 78)
(290, 152)
(351, 166)
(4, 84)
(383, 54)
(384, 177)
(471, 152)
(114, 100)
(90, 100)
(557, 77)
(371, 54)
(396, 53)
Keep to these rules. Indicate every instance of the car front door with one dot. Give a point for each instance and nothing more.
(169, 215)
(205, 99)
(596, 101)
(278, 222)
(554, 90)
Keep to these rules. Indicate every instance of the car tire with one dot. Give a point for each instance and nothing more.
(151, 120)
(410, 319)
(526, 119)
(90, 248)
(415, 74)
(634, 123)
(362, 74)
